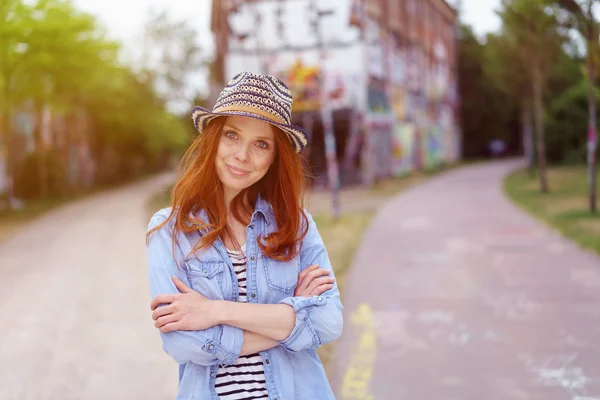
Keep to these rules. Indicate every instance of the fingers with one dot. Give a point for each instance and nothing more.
(314, 287)
(317, 273)
(182, 287)
(161, 311)
(302, 274)
(162, 299)
(309, 274)
(318, 283)
(165, 319)
(173, 326)
(319, 290)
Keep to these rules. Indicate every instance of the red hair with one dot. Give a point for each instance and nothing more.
(200, 188)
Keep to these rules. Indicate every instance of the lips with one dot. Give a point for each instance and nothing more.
(237, 171)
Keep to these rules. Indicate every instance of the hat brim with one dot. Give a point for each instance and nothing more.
(296, 135)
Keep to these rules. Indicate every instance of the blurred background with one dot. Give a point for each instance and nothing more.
(438, 108)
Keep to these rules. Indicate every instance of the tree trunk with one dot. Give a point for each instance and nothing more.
(539, 128)
(40, 148)
(5, 115)
(527, 131)
(591, 142)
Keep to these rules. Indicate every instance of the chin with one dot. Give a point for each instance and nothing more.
(237, 185)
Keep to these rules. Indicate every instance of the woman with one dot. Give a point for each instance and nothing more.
(243, 290)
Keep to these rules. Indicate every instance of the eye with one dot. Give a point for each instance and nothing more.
(262, 144)
(231, 135)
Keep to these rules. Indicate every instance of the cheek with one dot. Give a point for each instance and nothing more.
(222, 150)
(264, 163)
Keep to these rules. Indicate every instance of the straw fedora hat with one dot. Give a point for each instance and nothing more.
(260, 96)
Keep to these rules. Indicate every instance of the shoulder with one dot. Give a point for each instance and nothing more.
(312, 237)
(308, 224)
(159, 217)
(309, 218)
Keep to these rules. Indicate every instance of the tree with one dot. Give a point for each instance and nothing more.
(56, 58)
(581, 17)
(63, 50)
(477, 87)
(171, 57)
(12, 46)
(504, 69)
(536, 35)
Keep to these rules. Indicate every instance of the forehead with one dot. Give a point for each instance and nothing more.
(250, 126)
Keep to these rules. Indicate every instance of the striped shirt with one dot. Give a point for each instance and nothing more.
(245, 379)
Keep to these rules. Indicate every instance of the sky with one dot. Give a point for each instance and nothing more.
(124, 19)
(480, 14)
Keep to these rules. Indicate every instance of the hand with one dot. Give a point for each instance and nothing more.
(185, 311)
(313, 281)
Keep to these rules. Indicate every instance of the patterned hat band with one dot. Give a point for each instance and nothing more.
(258, 96)
(250, 110)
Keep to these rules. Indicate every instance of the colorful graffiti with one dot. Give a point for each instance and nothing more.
(451, 137)
(305, 82)
(378, 151)
(403, 148)
(377, 99)
(398, 100)
(433, 146)
(411, 103)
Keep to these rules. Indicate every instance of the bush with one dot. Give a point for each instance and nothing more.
(567, 126)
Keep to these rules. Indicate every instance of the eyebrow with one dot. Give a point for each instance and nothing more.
(235, 128)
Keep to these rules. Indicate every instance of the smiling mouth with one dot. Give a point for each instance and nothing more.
(237, 171)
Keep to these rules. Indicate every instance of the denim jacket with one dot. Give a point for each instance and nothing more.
(293, 371)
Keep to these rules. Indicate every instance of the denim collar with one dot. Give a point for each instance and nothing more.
(262, 206)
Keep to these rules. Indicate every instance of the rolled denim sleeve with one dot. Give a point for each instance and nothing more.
(220, 344)
(319, 319)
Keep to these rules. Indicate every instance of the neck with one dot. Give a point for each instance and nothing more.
(228, 196)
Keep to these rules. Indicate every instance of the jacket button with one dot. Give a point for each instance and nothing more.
(212, 375)
(211, 347)
(319, 299)
(252, 258)
(267, 361)
(253, 295)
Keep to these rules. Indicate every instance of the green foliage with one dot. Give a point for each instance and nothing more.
(56, 57)
(488, 106)
(567, 125)
(171, 54)
(534, 33)
(495, 78)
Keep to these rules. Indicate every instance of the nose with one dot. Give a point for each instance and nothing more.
(242, 153)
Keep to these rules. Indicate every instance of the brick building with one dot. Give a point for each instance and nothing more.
(388, 66)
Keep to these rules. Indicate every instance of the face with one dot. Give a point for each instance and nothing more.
(245, 153)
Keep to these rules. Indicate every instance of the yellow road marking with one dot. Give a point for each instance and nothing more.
(355, 385)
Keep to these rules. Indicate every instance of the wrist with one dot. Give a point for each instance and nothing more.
(222, 311)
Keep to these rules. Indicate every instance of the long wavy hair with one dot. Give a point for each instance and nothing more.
(199, 188)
